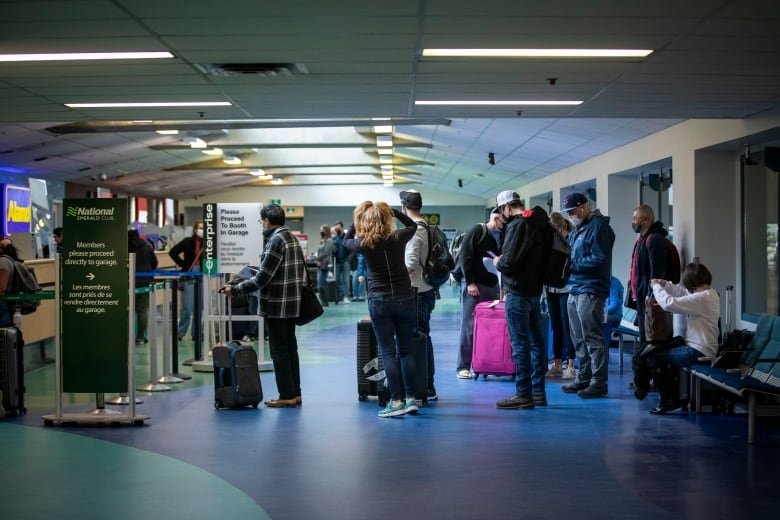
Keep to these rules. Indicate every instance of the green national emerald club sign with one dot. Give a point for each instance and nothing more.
(94, 285)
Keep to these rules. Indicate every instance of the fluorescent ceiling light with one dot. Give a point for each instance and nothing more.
(77, 56)
(194, 142)
(385, 151)
(384, 140)
(538, 53)
(513, 102)
(387, 183)
(386, 159)
(212, 151)
(257, 172)
(167, 132)
(386, 168)
(231, 159)
(151, 104)
(383, 129)
(276, 180)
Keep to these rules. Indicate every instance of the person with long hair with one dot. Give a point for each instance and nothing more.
(559, 317)
(187, 254)
(390, 297)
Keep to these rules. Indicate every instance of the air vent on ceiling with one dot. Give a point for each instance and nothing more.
(246, 69)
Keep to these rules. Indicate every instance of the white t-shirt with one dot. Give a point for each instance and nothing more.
(701, 310)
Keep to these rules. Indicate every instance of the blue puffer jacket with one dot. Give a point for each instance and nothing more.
(591, 253)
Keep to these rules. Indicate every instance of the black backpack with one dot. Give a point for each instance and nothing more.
(439, 263)
(556, 264)
(23, 281)
(457, 273)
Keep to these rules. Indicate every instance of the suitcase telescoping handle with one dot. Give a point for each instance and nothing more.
(729, 301)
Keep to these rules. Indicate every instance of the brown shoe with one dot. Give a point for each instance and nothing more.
(298, 400)
(282, 403)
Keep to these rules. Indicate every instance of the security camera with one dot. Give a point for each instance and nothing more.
(491, 158)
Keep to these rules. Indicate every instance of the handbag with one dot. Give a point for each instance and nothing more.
(311, 308)
(659, 327)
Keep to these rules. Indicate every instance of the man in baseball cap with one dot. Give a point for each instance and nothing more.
(411, 199)
(508, 204)
(589, 282)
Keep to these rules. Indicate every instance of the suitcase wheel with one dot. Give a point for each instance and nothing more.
(217, 405)
(255, 405)
(362, 397)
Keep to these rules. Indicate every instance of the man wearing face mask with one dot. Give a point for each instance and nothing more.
(279, 279)
(649, 261)
(591, 266)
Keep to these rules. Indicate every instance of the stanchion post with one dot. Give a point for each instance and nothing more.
(167, 376)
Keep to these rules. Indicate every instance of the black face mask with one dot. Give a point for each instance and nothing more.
(267, 232)
(636, 227)
(323, 235)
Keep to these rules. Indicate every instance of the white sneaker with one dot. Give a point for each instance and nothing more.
(346, 300)
(569, 373)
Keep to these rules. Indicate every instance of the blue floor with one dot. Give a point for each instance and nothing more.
(333, 458)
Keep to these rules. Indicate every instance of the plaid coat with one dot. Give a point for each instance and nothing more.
(280, 277)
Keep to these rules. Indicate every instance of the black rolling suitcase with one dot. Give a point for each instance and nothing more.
(236, 378)
(420, 348)
(370, 369)
(11, 372)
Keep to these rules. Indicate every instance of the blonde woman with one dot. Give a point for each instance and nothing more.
(559, 319)
(390, 297)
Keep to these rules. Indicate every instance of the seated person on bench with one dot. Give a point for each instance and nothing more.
(700, 304)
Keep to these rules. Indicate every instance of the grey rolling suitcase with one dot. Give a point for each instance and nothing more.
(11, 372)
(370, 369)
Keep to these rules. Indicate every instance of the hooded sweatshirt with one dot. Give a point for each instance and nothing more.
(522, 253)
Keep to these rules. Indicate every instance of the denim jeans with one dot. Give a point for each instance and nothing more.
(393, 321)
(187, 303)
(322, 285)
(283, 346)
(586, 321)
(523, 319)
(426, 301)
(559, 319)
(341, 271)
(469, 303)
(358, 288)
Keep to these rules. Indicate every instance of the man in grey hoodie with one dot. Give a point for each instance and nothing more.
(591, 267)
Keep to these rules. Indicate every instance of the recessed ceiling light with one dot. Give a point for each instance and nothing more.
(508, 102)
(163, 104)
(194, 142)
(212, 151)
(167, 132)
(385, 151)
(78, 56)
(538, 53)
(276, 180)
(383, 129)
(384, 140)
(231, 159)
(257, 172)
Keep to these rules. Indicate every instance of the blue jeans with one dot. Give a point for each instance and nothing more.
(559, 318)
(523, 315)
(393, 321)
(426, 301)
(187, 304)
(586, 321)
(322, 285)
(341, 271)
(358, 288)
(469, 303)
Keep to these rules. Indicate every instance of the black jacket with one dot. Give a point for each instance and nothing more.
(183, 253)
(648, 262)
(478, 243)
(522, 253)
(145, 259)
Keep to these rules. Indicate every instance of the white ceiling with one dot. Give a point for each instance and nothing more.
(712, 59)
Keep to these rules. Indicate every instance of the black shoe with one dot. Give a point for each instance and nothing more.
(593, 391)
(573, 388)
(664, 408)
(514, 402)
(432, 395)
(539, 399)
(639, 392)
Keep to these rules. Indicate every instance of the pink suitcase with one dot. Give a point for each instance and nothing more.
(492, 352)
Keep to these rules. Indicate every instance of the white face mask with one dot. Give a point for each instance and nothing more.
(199, 233)
(575, 219)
